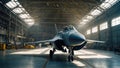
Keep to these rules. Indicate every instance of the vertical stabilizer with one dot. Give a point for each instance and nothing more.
(56, 28)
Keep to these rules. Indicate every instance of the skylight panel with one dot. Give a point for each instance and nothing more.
(14, 0)
(111, 1)
(11, 4)
(84, 21)
(17, 3)
(24, 16)
(89, 17)
(17, 10)
(105, 5)
(95, 12)
(99, 10)
(29, 20)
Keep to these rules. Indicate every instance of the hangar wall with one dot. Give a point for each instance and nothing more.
(111, 33)
(11, 27)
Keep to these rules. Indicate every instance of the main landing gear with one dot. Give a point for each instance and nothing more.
(51, 53)
(71, 54)
(70, 57)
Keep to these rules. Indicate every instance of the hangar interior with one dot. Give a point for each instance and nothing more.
(24, 21)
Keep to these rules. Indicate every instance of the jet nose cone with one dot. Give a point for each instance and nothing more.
(76, 38)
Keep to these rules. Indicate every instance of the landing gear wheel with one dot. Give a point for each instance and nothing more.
(71, 54)
(65, 50)
(51, 54)
(70, 58)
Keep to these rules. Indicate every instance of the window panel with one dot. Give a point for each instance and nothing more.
(88, 32)
(94, 29)
(116, 21)
(104, 26)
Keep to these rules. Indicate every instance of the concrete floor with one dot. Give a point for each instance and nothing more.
(39, 58)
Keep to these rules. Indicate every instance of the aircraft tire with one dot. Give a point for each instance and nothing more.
(70, 58)
(51, 54)
(65, 50)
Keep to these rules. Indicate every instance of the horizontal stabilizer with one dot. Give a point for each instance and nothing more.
(92, 41)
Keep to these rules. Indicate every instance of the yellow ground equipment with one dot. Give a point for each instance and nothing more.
(29, 46)
(2, 46)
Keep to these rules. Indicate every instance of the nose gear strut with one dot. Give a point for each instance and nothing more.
(71, 54)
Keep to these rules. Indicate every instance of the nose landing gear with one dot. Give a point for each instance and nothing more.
(70, 58)
(71, 54)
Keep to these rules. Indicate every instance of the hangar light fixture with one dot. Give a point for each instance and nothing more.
(11, 4)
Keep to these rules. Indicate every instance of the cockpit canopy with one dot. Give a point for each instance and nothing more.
(67, 28)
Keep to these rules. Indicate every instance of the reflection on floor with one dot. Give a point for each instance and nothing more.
(39, 58)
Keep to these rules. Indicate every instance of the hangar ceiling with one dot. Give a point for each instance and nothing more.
(58, 11)
(46, 13)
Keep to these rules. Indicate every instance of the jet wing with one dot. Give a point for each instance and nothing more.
(92, 41)
(45, 41)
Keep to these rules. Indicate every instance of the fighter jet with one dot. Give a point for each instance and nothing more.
(68, 38)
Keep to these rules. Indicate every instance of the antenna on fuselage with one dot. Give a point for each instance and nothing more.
(56, 28)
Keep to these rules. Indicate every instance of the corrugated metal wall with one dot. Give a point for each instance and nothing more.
(111, 35)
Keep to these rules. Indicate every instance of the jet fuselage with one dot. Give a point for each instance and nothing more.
(69, 37)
